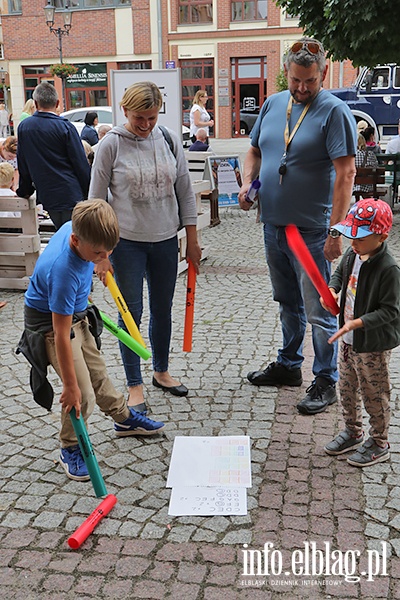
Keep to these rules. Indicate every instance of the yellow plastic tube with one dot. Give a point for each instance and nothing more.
(123, 309)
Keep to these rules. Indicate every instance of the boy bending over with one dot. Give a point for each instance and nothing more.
(55, 306)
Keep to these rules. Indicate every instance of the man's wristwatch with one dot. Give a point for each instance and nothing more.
(334, 233)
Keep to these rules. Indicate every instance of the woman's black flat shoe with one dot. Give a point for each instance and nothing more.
(175, 390)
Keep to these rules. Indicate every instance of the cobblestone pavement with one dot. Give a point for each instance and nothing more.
(299, 494)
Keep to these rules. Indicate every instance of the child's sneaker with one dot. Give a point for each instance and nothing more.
(344, 442)
(138, 424)
(72, 462)
(369, 454)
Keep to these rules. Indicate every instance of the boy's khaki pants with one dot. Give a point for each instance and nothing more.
(364, 378)
(93, 381)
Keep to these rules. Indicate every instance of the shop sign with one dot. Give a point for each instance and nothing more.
(88, 75)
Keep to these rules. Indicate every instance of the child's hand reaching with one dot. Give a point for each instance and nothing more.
(325, 306)
(348, 326)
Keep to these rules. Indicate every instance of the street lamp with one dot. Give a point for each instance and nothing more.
(49, 11)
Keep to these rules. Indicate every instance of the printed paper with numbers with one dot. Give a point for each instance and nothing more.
(207, 501)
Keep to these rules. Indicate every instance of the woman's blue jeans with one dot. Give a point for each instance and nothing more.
(158, 263)
(299, 301)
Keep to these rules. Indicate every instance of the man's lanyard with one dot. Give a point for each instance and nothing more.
(288, 138)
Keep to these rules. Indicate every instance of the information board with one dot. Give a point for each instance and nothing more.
(225, 174)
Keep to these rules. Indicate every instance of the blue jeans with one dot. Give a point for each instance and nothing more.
(158, 263)
(299, 301)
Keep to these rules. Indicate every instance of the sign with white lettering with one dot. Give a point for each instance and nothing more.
(88, 75)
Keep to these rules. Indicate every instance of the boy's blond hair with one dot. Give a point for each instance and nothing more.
(6, 175)
(95, 222)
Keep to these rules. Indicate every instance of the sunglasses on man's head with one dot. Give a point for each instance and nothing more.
(310, 47)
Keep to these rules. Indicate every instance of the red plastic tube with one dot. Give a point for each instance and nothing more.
(303, 255)
(84, 530)
(189, 313)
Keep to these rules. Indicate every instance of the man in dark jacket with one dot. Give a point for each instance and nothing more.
(51, 158)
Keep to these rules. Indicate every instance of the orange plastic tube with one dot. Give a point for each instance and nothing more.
(189, 313)
(303, 255)
(84, 530)
(123, 309)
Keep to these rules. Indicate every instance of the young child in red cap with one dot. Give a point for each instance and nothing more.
(368, 278)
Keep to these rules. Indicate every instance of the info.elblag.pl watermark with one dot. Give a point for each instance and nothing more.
(330, 566)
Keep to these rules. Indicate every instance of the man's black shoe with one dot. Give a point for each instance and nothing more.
(276, 374)
(320, 394)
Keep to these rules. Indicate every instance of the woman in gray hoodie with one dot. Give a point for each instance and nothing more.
(151, 194)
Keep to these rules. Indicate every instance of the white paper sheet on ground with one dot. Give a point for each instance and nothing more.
(207, 501)
(222, 461)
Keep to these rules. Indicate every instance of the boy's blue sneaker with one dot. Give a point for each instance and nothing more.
(138, 424)
(72, 462)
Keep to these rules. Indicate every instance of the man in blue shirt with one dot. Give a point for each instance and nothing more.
(302, 148)
(51, 158)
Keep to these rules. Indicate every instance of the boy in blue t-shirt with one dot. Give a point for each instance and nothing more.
(55, 307)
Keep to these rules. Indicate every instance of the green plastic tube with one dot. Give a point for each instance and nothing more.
(125, 338)
(88, 455)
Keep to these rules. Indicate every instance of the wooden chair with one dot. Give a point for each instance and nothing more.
(19, 251)
(370, 176)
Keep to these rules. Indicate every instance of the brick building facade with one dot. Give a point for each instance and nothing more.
(218, 46)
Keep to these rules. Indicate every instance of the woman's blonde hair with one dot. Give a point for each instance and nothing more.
(199, 94)
(95, 222)
(10, 144)
(29, 106)
(361, 143)
(141, 96)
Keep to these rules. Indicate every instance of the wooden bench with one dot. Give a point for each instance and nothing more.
(18, 251)
(197, 170)
(372, 176)
(203, 220)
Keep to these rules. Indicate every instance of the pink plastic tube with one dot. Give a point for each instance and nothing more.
(84, 530)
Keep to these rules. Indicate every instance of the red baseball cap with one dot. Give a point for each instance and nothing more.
(365, 217)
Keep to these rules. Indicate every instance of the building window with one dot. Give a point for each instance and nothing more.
(15, 6)
(32, 77)
(195, 11)
(197, 74)
(249, 11)
(1, 51)
(130, 66)
(82, 4)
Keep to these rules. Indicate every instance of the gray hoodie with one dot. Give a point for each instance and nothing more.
(147, 182)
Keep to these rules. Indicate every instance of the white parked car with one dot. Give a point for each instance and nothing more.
(77, 116)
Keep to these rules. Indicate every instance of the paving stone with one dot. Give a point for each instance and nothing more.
(138, 550)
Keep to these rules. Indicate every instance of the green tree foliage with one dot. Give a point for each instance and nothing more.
(364, 31)
(281, 81)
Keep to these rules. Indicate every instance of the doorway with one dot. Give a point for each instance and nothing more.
(249, 90)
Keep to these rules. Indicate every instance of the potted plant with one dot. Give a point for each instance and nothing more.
(63, 70)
